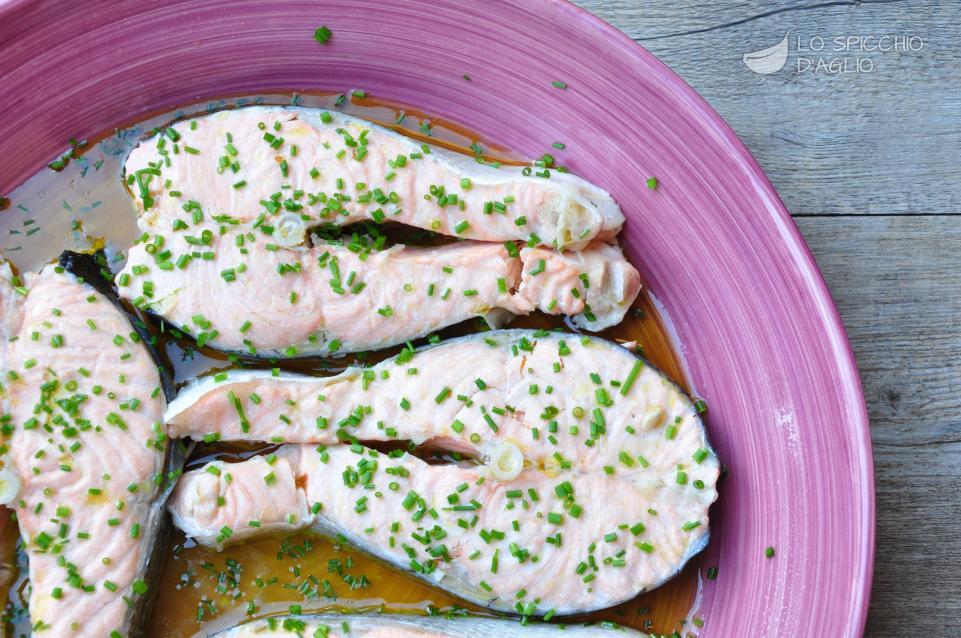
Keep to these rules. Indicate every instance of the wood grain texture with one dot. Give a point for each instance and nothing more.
(870, 166)
(896, 284)
(879, 142)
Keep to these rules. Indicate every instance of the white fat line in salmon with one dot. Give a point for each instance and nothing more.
(595, 484)
(259, 162)
(82, 423)
(234, 288)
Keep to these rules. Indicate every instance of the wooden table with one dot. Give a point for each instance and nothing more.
(868, 161)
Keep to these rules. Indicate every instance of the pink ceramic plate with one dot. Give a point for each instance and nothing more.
(759, 332)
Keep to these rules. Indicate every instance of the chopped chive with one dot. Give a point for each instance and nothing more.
(322, 35)
(631, 377)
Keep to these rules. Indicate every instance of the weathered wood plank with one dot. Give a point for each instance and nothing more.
(896, 284)
(884, 141)
(917, 574)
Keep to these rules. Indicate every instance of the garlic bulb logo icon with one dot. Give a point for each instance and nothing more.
(769, 60)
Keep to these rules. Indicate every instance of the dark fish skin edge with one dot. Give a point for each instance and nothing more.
(157, 540)
(92, 269)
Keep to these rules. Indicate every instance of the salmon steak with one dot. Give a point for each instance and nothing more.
(258, 298)
(228, 201)
(586, 475)
(82, 426)
(249, 163)
(409, 626)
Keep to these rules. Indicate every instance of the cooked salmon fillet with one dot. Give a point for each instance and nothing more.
(595, 287)
(595, 483)
(337, 169)
(83, 411)
(411, 626)
(242, 292)
(227, 202)
(11, 306)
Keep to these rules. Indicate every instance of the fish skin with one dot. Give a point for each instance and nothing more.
(396, 295)
(56, 303)
(565, 211)
(9, 539)
(411, 626)
(301, 478)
